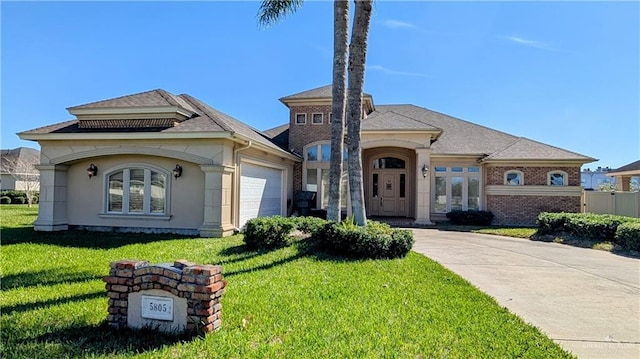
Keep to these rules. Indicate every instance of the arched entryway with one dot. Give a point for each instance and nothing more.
(389, 183)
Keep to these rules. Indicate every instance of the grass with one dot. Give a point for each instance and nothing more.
(280, 304)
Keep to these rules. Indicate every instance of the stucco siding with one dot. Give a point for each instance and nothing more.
(87, 198)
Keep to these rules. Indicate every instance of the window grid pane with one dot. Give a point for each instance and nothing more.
(473, 193)
(326, 153)
(312, 153)
(441, 194)
(136, 190)
(115, 192)
(456, 193)
(158, 182)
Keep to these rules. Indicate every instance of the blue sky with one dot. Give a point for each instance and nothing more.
(566, 74)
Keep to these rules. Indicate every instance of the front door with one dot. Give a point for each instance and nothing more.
(388, 189)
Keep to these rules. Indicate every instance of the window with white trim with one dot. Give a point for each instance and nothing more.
(456, 188)
(557, 178)
(316, 118)
(137, 191)
(514, 178)
(301, 118)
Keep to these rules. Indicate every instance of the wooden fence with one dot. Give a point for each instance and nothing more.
(618, 203)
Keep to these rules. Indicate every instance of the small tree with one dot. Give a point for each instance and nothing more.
(22, 168)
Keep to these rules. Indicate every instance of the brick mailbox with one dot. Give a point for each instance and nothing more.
(172, 298)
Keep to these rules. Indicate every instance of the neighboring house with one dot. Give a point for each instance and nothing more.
(17, 169)
(417, 163)
(596, 179)
(627, 177)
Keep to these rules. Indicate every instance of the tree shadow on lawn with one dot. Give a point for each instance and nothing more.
(76, 238)
(83, 341)
(45, 277)
(18, 308)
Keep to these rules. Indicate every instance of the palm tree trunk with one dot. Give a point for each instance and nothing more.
(340, 50)
(357, 58)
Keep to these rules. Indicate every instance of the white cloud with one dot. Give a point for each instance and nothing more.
(397, 24)
(393, 72)
(527, 42)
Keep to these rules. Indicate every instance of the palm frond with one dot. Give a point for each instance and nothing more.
(271, 11)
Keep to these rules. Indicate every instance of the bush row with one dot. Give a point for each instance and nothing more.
(16, 197)
(375, 240)
(624, 231)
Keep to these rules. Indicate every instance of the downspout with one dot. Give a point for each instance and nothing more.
(236, 187)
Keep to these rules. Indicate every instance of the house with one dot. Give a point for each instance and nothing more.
(17, 171)
(627, 177)
(596, 179)
(171, 163)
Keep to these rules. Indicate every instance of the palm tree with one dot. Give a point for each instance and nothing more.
(273, 10)
(340, 50)
(357, 59)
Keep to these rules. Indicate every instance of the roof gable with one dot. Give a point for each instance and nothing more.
(631, 167)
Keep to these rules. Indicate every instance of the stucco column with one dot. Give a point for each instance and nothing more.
(423, 186)
(218, 181)
(52, 208)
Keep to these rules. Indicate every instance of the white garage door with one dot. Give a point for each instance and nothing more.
(260, 192)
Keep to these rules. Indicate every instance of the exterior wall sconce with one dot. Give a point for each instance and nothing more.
(177, 171)
(424, 170)
(92, 170)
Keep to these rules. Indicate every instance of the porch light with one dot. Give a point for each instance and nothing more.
(425, 169)
(92, 170)
(177, 172)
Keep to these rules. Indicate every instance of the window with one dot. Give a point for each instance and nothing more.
(557, 178)
(514, 178)
(301, 118)
(137, 191)
(388, 162)
(318, 158)
(456, 188)
(330, 117)
(316, 119)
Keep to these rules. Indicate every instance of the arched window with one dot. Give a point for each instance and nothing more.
(557, 178)
(388, 162)
(137, 190)
(514, 178)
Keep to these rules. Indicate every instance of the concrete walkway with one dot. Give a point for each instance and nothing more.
(586, 300)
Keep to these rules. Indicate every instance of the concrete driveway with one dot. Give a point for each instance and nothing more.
(586, 300)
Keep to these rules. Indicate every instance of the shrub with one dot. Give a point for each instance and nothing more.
(477, 218)
(375, 240)
(628, 235)
(19, 200)
(593, 226)
(268, 232)
(550, 223)
(308, 224)
(5, 200)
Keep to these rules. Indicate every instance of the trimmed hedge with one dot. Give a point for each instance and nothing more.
(268, 232)
(474, 218)
(628, 235)
(624, 231)
(18, 197)
(5, 200)
(375, 240)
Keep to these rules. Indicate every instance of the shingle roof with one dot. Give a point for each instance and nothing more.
(458, 136)
(391, 120)
(10, 157)
(152, 98)
(320, 92)
(526, 149)
(633, 166)
(208, 119)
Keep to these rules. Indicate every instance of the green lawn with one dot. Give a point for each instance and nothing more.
(280, 304)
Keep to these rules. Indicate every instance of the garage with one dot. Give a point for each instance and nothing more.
(260, 192)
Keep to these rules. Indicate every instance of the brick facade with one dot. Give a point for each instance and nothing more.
(533, 176)
(523, 210)
(300, 135)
